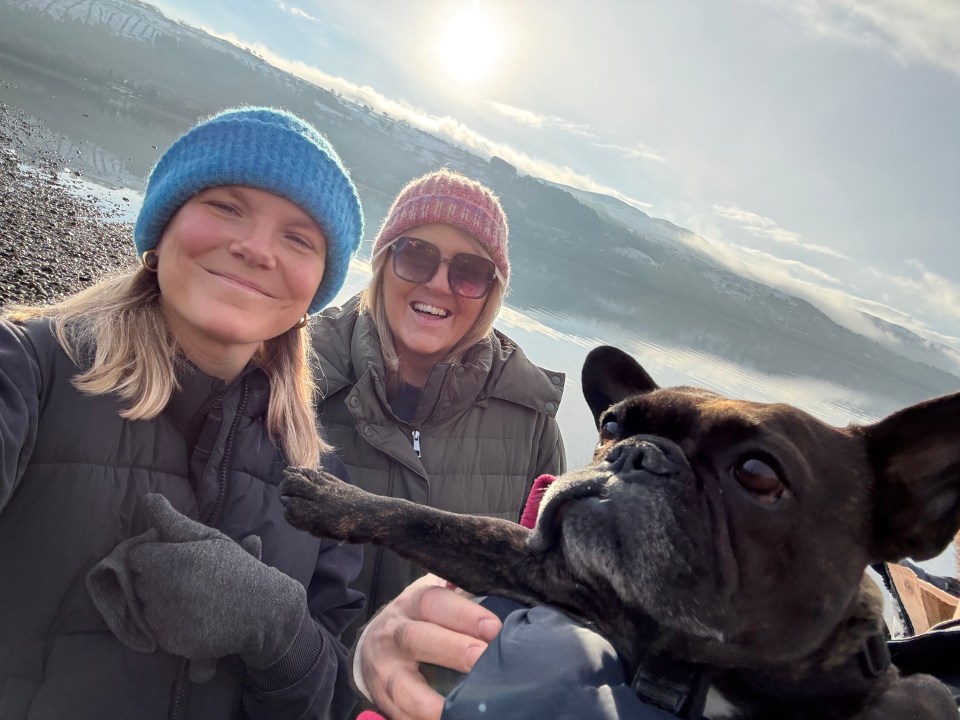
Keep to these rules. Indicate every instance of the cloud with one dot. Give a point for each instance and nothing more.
(295, 11)
(766, 227)
(446, 127)
(635, 151)
(908, 30)
(935, 292)
(794, 268)
(539, 121)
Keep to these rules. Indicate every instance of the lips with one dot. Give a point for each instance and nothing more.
(553, 513)
(240, 282)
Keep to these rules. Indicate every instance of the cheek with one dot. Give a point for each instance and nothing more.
(304, 278)
(469, 311)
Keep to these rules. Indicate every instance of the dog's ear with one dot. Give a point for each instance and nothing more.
(610, 375)
(915, 454)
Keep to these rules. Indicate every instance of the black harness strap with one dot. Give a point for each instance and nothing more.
(681, 688)
(678, 687)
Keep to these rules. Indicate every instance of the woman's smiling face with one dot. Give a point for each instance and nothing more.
(237, 266)
(429, 320)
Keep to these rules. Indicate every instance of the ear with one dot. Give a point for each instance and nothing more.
(915, 455)
(610, 375)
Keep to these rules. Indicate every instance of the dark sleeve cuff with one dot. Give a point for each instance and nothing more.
(296, 662)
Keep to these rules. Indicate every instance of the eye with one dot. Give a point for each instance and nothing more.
(759, 479)
(223, 206)
(609, 428)
(300, 240)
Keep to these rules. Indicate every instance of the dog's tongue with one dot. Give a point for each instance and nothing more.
(530, 510)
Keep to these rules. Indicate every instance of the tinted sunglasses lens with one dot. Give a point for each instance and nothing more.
(415, 260)
(471, 275)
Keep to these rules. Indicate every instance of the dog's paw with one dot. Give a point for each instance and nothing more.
(322, 504)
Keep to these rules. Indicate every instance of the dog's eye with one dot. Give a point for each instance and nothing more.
(759, 479)
(610, 429)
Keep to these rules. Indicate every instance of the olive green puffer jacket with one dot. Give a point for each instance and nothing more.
(486, 428)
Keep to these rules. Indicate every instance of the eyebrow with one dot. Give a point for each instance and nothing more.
(306, 222)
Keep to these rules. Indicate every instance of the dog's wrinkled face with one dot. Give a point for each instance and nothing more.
(745, 525)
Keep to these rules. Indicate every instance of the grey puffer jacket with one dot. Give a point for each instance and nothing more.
(486, 429)
(72, 473)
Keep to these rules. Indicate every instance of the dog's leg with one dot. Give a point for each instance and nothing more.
(481, 555)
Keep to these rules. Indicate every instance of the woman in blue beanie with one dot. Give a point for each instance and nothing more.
(146, 569)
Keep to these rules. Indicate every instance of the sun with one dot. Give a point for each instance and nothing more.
(470, 45)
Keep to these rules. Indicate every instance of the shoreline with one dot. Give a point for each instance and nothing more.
(53, 242)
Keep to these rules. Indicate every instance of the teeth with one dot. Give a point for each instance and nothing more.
(432, 309)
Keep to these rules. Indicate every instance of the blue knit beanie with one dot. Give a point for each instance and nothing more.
(271, 150)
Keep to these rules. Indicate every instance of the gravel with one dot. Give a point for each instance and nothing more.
(53, 241)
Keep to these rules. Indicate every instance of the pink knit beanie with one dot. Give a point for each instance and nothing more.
(448, 197)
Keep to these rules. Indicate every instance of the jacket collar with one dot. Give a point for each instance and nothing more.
(349, 349)
(197, 391)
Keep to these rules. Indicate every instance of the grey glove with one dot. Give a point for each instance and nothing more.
(210, 597)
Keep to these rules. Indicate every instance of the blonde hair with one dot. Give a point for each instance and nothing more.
(117, 329)
(371, 301)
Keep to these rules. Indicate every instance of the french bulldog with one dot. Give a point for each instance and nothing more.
(707, 533)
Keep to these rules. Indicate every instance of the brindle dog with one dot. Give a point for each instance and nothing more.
(718, 533)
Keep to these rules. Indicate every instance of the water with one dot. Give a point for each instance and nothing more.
(111, 137)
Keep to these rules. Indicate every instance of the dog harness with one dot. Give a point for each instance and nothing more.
(681, 688)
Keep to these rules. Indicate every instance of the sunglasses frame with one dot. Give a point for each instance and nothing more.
(450, 268)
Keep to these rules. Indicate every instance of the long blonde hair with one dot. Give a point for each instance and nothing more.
(116, 331)
(371, 300)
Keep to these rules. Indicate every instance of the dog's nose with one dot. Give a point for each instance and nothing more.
(641, 455)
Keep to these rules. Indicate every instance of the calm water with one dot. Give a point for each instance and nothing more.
(113, 139)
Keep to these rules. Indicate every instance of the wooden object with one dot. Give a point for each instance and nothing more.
(925, 604)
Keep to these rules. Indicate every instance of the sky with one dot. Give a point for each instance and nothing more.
(814, 144)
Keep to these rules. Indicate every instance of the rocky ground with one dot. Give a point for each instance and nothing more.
(52, 242)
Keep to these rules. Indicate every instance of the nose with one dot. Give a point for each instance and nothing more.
(644, 455)
(440, 282)
(256, 244)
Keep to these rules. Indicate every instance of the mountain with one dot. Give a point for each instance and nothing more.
(142, 79)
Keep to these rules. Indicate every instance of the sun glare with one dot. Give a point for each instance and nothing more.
(469, 46)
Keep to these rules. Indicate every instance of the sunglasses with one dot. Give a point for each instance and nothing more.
(417, 261)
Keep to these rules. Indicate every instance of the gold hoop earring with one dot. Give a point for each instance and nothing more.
(150, 261)
(303, 322)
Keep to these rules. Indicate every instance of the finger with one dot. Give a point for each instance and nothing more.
(453, 611)
(408, 697)
(424, 642)
(202, 670)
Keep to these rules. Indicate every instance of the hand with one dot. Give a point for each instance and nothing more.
(429, 622)
(207, 598)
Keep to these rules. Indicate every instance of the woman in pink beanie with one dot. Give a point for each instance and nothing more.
(426, 401)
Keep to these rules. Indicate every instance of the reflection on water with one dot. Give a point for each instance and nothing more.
(111, 136)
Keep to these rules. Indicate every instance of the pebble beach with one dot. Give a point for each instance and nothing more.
(54, 240)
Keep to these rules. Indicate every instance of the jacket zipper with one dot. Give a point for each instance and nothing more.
(415, 434)
(214, 517)
(178, 702)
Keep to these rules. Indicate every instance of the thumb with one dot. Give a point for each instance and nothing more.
(173, 526)
(202, 670)
(253, 545)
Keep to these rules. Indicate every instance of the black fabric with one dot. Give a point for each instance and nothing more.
(543, 664)
(72, 473)
(404, 401)
(934, 652)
